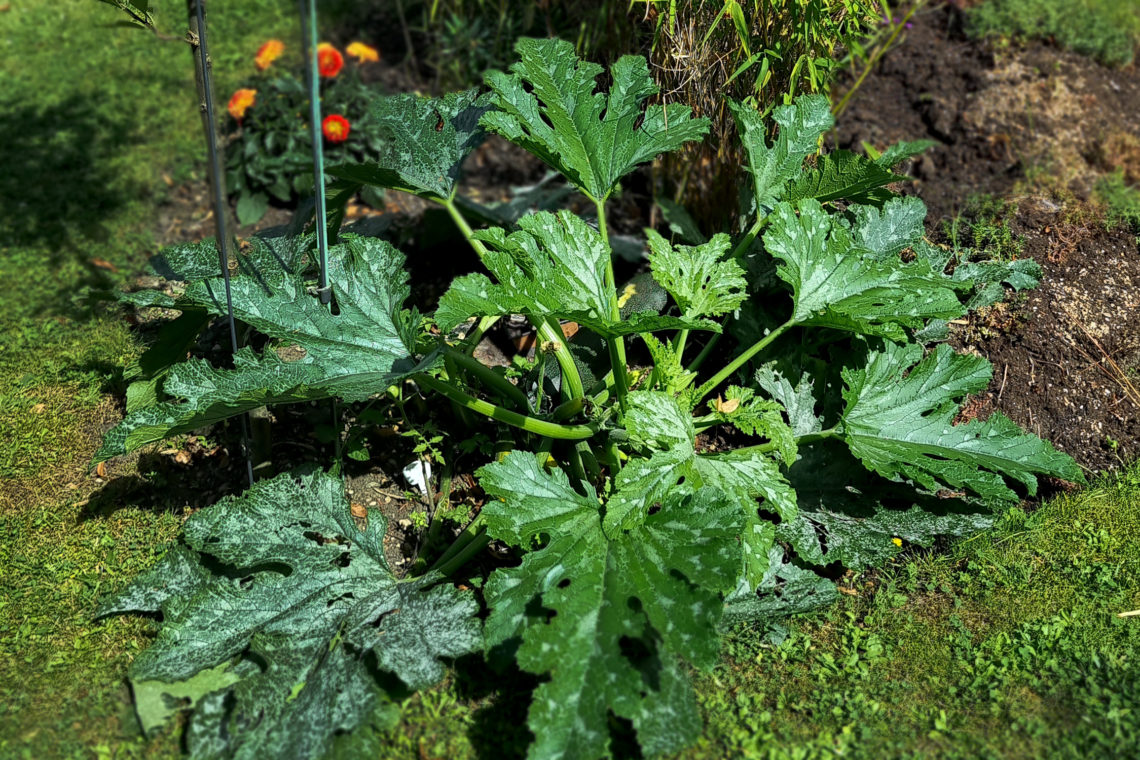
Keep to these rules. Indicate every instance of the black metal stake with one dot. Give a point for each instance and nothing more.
(220, 211)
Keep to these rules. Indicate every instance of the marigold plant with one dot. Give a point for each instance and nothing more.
(363, 53)
(269, 157)
(335, 128)
(269, 52)
(329, 60)
(240, 102)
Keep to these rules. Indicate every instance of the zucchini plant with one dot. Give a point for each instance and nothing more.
(283, 625)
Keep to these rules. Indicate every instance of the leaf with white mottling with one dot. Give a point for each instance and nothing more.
(772, 166)
(283, 583)
(422, 142)
(657, 584)
(548, 106)
(553, 266)
(700, 279)
(899, 420)
(836, 284)
(360, 351)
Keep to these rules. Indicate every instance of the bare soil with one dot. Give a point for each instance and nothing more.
(1036, 125)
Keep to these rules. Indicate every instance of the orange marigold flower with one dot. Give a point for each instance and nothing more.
(240, 102)
(335, 128)
(268, 53)
(329, 60)
(362, 52)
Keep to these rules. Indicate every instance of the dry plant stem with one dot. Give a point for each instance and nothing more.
(615, 344)
(875, 57)
(495, 412)
(572, 381)
(1117, 375)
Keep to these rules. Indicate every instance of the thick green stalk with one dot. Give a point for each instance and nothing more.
(745, 242)
(472, 533)
(615, 344)
(489, 377)
(464, 555)
(529, 424)
(453, 376)
(704, 354)
(764, 448)
(741, 360)
(547, 333)
(472, 339)
(679, 343)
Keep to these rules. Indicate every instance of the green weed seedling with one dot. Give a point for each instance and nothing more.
(283, 626)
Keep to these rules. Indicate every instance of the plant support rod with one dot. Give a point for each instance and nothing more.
(217, 178)
(309, 45)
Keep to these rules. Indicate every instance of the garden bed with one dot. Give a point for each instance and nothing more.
(1034, 127)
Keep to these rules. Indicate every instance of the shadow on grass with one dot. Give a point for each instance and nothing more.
(168, 486)
(59, 185)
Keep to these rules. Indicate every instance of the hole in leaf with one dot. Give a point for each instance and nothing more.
(537, 612)
(564, 583)
(345, 597)
(378, 621)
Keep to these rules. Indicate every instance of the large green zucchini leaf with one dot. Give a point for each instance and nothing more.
(359, 351)
(547, 105)
(899, 421)
(607, 614)
(283, 600)
(422, 143)
(554, 266)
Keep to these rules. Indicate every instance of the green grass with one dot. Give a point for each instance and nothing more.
(91, 118)
(1121, 201)
(1107, 30)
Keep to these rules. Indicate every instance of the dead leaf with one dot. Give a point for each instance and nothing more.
(168, 179)
(104, 264)
(182, 457)
(39, 408)
(101, 469)
(726, 407)
(359, 515)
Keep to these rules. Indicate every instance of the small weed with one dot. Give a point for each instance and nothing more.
(1121, 200)
(984, 228)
